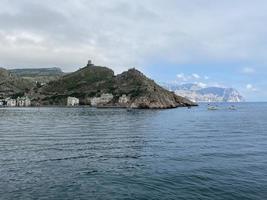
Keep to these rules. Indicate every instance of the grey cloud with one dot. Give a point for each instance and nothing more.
(31, 16)
(124, 33)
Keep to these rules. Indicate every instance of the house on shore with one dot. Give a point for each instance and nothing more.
(103, 99)
(19, 102)
(11, 102)
(123, 100)
(73, 101)
(23, 102)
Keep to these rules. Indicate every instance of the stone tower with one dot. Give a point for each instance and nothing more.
(89, 63)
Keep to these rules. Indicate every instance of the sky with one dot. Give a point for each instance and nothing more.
(208, 42)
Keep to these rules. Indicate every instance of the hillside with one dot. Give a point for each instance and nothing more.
(99, 86)
(11, 85)
(41, 75)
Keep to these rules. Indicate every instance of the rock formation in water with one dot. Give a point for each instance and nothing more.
(98, 86)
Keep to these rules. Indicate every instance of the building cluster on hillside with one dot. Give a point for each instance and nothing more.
(104, 99)
(19, 102)
(71, 101)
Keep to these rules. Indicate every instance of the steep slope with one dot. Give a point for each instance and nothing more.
(11, 85)
(99, 85)
(85, 83)
(145, 93)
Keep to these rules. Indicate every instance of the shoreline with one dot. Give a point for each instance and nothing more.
(96, 107)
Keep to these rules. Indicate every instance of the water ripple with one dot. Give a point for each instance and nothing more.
(85, 153)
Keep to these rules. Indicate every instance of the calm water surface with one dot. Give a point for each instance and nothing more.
(85, 153)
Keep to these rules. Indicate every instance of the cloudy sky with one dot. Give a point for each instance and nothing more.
(210, 42)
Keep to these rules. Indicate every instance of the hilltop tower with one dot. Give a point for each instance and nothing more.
(89, 64)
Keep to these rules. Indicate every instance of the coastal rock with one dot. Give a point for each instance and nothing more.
(124, 100)
(145, 93)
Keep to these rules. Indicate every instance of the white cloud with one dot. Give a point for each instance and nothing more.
(251, 88)
(193, 78)
(200, 81)
(196, 76)
(248, 70)
(182, 77)
(202, 85)
(215, 84)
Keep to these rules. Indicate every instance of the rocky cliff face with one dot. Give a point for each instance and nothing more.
(145, 93)
(207, 94)
(11, 85)
(98, 86)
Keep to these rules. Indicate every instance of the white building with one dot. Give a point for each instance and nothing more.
(11, 102)
(124, 99)
(104, 99)
(23, 102)
(73, 101)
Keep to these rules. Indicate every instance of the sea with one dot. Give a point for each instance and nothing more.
(87, 153)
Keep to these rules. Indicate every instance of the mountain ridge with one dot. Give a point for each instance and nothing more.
(196, 93)
(41, 75)
(52, 71)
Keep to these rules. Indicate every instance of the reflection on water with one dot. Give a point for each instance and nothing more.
(86, 153)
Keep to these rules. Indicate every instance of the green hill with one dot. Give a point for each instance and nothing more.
(129, 89)
(41, 75)
(12, 86)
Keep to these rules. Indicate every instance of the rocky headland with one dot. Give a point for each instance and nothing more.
(98, 86)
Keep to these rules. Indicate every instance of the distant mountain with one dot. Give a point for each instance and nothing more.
(54, 71)
(42, 75)
(96, 85)
(196, 93)
(12, 85)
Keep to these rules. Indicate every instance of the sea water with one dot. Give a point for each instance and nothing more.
(87, 153)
